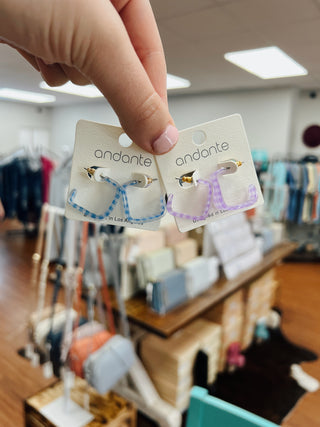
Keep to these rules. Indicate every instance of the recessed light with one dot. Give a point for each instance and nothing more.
(88, 91)
(175, 82)
(26, 96)
(266, 63)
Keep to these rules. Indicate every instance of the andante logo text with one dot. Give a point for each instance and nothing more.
(138, 160)
(202, 153)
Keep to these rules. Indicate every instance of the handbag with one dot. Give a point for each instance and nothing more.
(172, 234)
(45, 314)
(49, 327)
(169, 291)
(81, 348)
(201, 273)
(91, 336)
(106, 366)
(151, 266)
(137, 242)
(185, 251)
(56, 347)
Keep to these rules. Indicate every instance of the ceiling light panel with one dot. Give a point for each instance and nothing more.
(175, 82)
(26, 96)
(266, 63)
(88, 91)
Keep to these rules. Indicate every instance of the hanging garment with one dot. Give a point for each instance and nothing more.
(293, 174)
(278, 205)
(310, 190)
(47, 169)
(303, 192)
(21, 190)
(318, 198)
(59, 184)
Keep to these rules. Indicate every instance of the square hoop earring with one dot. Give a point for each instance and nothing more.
(140, 181)
(217, 197)
(96, 174)
(192, 180)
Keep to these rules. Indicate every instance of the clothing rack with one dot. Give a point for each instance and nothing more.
(25, 175)
(291, 189)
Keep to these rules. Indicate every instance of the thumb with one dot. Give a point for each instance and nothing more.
(114, 67)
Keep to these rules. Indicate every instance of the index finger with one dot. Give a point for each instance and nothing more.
(142, 29)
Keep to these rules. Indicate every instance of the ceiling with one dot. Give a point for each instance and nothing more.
(197, 33)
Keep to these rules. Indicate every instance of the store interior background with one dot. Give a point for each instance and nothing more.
(196, 34)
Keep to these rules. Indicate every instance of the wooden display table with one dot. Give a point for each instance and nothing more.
(165, 325)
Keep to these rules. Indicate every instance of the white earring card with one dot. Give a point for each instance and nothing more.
(201, 151)
(96, 194)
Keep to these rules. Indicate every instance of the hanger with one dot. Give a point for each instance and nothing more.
(12, 155)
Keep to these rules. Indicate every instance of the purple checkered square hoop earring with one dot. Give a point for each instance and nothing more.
(217, 196)
(191, 179)
(214, 194)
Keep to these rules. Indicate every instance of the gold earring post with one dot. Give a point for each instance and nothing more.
(90, 170)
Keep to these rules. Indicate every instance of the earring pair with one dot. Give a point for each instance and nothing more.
(139, 181)
(214, 192)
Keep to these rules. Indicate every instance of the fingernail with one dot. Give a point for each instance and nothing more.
(166, 140)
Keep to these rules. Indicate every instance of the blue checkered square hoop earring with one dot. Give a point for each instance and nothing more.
(139, 181)
(89, 214)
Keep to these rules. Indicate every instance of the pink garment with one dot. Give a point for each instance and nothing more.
(47, 168)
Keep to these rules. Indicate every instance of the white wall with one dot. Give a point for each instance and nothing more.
(15, 116)
(274, 119)
(267, 116)
(307, 112)
(64, 120)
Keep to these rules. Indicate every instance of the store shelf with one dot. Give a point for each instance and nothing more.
(165, 325)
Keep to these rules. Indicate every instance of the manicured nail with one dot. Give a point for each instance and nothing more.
(166, 140)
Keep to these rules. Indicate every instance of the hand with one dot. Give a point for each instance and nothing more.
(113, 44)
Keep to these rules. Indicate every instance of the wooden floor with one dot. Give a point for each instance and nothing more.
(299, 299)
